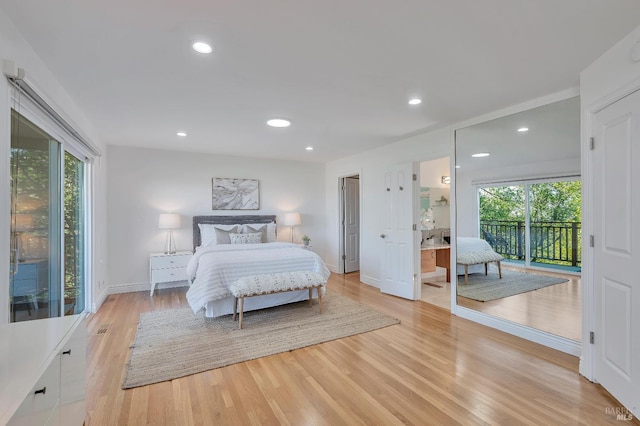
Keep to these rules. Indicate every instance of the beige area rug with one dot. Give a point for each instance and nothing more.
(175, 343)
(490, 287)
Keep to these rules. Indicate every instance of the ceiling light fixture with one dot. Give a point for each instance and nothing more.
(457, 167)
(182, 134)
(202, 47)
(279, 122)
(415, 101)
(309, 148)
(481, 154)
(523, 129)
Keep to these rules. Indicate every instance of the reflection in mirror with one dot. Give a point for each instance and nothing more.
(518, 211)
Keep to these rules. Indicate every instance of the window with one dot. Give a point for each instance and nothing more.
(48, 225)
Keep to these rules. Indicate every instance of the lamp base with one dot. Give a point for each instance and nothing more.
(170, 246)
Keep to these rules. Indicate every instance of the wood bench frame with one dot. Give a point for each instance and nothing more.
(238, 302)
(486, 264)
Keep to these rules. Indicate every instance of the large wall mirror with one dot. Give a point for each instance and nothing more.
(518, 198)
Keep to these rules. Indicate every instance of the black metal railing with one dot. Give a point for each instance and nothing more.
(557, 243)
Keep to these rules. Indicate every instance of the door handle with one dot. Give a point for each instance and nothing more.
(383, 236)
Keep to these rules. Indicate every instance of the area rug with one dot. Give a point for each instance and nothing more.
(175, 343)
(489, 287)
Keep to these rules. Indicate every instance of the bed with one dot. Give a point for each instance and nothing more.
(217, 263)
(469, 245)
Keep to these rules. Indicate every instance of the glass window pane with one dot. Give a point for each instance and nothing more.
(555, 217)
(35, 225)
(502, 220)
(74, 235)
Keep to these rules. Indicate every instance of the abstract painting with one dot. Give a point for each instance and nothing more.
(235, 194)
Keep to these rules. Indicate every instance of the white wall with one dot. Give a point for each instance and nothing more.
(14, 48)
(371, 166)
(431, 173)
(142, 183)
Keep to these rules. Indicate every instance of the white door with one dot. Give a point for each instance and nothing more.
(351, 224)
(400, 251)
(616, 199)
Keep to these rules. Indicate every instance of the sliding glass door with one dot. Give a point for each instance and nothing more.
(47, 254)
(534, 224)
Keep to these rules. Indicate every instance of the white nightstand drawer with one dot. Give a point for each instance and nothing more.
(174, 261)
(168, 275)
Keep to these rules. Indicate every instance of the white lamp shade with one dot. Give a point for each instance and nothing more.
(169, 221)
(291, 219)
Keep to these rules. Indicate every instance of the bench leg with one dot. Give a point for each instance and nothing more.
(241, 312)
(499, 269)
(235, 308)
(311, 296)
(486, 267)
(466, 274)
(319, 297)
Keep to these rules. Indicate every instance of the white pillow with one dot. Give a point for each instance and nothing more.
(254, 238)
(257, 227)
(208, 233)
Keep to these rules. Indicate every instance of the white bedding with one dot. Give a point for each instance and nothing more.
(466, 245)
(212, 269)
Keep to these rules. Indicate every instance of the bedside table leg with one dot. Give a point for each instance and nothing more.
(153, 287)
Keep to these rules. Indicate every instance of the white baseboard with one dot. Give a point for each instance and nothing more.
(561, 344)
(133, 287)
(332, 268)
(374, 282)
(99, 300)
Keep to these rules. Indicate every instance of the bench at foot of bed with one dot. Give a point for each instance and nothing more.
(476, 258)
(255, 285)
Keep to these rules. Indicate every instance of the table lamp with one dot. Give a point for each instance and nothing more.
(169, 221)
(291, 219)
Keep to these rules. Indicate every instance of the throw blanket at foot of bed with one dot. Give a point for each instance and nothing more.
(476, 258)
(255, 285)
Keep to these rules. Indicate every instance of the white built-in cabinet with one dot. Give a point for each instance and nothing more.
(43, 372)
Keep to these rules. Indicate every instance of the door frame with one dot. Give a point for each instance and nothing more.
(341, 235)
(588, 112)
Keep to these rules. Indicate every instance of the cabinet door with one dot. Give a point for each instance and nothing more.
(41, 406)
(73, 367)
(428, 261)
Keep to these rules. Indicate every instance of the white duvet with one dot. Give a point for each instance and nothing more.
(212, 269)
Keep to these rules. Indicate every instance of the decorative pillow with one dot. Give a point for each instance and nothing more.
(256, 227)
(224, 236)
(254, 238)
(208, 233)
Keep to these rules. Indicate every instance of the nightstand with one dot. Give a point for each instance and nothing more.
(166, 268)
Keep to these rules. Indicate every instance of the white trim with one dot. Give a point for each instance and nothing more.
(553, 341)
(374, 282)
(522, 180)
(134, 287)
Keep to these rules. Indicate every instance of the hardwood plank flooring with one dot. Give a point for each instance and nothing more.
(433, 368)
(556, 309)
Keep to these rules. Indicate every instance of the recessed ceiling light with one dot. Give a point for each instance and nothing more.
(481, 154)
(415, 101)
(202, 47)
(457, 167)
(309, 148)
(279, 122)
(183, 134)
(523, 129)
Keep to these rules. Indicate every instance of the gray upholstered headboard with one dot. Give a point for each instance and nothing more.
(226, 220)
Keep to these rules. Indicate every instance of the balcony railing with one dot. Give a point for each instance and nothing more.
(557, 243)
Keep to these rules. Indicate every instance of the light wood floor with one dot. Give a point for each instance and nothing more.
(556, 309)
(433, 368)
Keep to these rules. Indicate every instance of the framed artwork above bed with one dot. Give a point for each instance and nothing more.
(235, 194)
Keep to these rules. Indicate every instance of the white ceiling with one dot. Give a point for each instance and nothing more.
(341, 71)
(554, 134)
